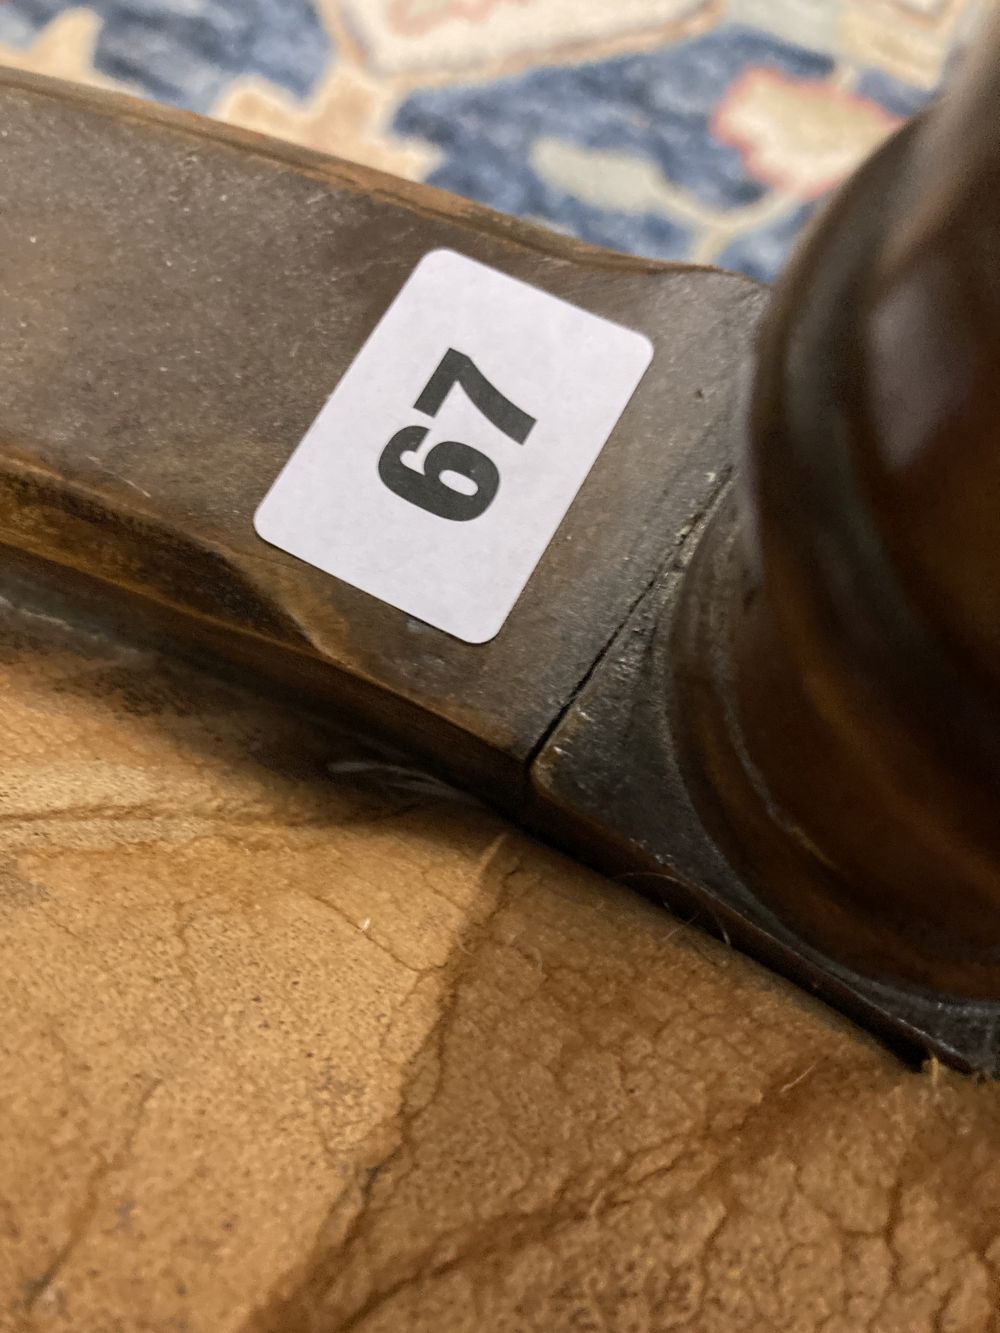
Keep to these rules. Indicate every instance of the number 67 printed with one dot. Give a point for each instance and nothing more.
(427, 477)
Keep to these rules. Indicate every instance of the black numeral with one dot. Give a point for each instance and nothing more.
(428, 489)
(457, 368)
(425, 482)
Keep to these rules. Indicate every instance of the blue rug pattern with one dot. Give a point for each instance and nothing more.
(714, 141)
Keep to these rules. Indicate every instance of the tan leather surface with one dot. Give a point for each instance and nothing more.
(284, 1050)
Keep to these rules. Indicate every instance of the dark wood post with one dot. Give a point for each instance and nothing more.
(840, 646)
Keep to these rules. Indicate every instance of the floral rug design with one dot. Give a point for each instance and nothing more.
(705, 130)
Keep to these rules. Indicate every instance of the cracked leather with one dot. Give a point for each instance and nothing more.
(293, 1045)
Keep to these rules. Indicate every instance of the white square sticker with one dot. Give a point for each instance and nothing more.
(446, 458)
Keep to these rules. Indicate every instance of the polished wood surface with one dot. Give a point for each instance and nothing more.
(294, 1042)
(180, 299)
(842, 644)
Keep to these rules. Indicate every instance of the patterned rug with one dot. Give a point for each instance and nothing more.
(687, 129)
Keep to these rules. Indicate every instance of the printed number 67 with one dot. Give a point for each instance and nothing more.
(424, 481)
